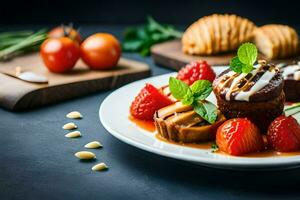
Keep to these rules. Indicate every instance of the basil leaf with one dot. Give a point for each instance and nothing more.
(206, 110)
(188, 98)
(130, 33)
(247, 53)
(132, 45)
(236, 65)
(201, 89)
(145, 52)
(178, 88)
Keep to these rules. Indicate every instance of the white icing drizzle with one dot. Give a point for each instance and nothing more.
(291, 69)
(228, 74)
(258, 85)
(297, 75)
(237, 79)
(261, 83)
(234, 83)
(281, 65)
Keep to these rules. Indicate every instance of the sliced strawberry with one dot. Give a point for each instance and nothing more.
(284, 134)
(149, 100)
(239, 136)
(198, 70)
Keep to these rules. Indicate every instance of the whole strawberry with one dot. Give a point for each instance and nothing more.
(284, 134)
(149, 100)
(198, 70)
(239, 136)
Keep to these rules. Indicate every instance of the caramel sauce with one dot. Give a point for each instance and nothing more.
(146, 125)
(204, 145)
(149, 126)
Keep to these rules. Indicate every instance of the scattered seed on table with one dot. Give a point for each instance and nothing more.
(100, 167)
(69, 126)
(74, 115)
(73, 134)
(85, 155)
(93, 145)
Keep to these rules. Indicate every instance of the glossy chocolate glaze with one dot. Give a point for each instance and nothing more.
(272, 90)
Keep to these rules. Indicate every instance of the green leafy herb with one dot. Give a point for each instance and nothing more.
(246, 57)
(214, 148)
(140, 39)
(178, 88)
(195, 95)
(20, 42)
(236, 65)
(201, 89)
(206, 110)
(293, 110)
(188, 98)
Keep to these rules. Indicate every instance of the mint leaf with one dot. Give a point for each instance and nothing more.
(178, 88)
(188, 98)
(206, 110)
(247, 53)
(236, 65)
(201, 89)
(194, 95)
(247, 68)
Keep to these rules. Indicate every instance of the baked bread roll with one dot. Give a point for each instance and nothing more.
(216, 33)
(276, 41)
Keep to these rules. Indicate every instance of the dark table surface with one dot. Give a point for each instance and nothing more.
(37, 161)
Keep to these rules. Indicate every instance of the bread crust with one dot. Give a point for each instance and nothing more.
(216, 34)
(276, 41)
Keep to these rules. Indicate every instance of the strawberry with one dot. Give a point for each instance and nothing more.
(149, 100)
(239, 136)
(284, 134)
(198, 70)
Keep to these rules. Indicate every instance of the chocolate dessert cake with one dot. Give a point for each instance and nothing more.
(180, 123)
(291, 76)
(257, 95)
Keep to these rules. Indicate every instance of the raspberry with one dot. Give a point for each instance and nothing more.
(198, 70)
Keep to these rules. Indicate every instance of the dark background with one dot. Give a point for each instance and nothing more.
(181, 12)
(38, 163)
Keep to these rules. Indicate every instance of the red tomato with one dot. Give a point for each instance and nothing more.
(65, 31)
(100, 51)
(60, 54)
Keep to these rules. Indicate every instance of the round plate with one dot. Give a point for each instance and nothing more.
(114, 113)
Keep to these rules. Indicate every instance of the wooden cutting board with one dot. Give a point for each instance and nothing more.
(169, 54)
(16, 94)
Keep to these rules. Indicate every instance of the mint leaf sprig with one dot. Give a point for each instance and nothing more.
(246, 57)
(195, 95)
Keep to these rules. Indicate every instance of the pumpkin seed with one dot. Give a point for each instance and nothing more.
(69, 126)
(73, 134)
(93, 145)
(74, 115)
(100, 167)
(85, 155)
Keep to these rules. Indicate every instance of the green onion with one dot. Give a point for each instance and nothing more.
(20, 42)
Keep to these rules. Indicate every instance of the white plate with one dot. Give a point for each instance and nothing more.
(114, 112)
